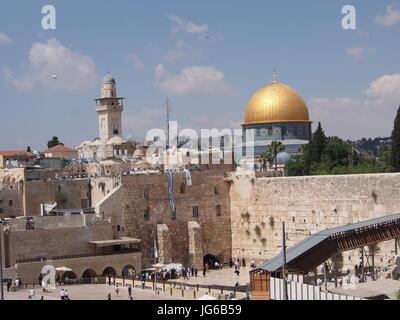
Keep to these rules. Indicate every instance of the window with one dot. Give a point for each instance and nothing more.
(115, 131)
(216, 191)
(218, 209)
(10, 203)
(147, 214)
(195, 211)
(146, 193)
(183, 188)
(293, 219)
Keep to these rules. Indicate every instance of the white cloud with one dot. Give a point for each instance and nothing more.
(391, 17)
(193, 80)
(140, 121)
(159, 71)
(187, 26)
(385, 86)
(4, 39)
(176, 54)
(355, 118)
(359, 51)
(138, 64)
(74, 71)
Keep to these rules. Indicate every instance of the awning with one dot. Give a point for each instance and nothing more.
(114, 242)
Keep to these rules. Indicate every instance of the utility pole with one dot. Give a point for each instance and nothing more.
(285, 293)
(168, 107)
(1, 263)
(362, 263)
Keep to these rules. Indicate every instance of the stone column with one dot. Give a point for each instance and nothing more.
(195, 245)
(164, 244)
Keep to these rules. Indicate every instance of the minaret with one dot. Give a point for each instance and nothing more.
(109, 110)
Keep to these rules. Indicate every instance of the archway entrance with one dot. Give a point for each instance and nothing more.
(68, 277)
(210, 260)
(88, 275)
(128, 271)
(110, 275)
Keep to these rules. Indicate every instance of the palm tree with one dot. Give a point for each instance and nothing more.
(265, 158)
(274, 148)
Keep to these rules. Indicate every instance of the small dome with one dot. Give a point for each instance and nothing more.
(109, 79)
(139, 153)
(283, 157)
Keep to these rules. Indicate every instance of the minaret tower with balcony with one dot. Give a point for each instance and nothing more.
(109, 110)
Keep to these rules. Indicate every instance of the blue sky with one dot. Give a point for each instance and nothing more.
(208, 57)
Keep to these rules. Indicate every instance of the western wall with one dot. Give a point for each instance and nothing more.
(306, 205)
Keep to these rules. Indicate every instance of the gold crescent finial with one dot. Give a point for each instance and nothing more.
(274, 76)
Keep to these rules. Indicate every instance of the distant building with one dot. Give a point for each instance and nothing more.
(61, 152)
(109, 144)
(16, 159)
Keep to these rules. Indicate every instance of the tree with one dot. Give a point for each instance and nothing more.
(274, 148)
(265, 158)
(395, 155)
(54, 142)
(314, 150)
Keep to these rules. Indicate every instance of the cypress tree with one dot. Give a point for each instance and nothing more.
(395, 157)
(315, 149)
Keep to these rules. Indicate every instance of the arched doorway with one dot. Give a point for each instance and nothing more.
(110, 275)
(88, 275)
(109, 271)
(210, 259)
(128, 271)
(68, 277)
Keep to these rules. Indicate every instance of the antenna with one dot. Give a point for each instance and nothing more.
(168, 107)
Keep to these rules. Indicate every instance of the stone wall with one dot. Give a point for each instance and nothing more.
(74, 193)
(149, 194)
(307, 205)
(35, 243)
(29, 272)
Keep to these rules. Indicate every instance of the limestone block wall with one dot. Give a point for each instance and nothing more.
(307, 205)
(54, 242)
(29, 272)
(149, 194)
(75, 192)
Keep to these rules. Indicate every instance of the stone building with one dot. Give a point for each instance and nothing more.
(110, 143)
(82, 243)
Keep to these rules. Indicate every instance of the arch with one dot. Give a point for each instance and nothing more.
(128, 271)
(210, 260)
(109, 271)
(68, 277)
(89, 274)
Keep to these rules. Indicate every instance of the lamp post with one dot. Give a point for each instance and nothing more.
(285, 293)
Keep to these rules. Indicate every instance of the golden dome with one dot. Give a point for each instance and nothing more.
(276, 102)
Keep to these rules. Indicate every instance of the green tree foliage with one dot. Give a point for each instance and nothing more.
(274, 148)
(332, 155)
(54, 142)
(395, 155)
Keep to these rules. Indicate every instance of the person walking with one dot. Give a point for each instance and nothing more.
(130, 292)
(62, 294)
(117, 289)
(192, 271)
(195, 271)
(8, 285)
(31, 294)
(204, 271)
(109, 296)
(66, 295)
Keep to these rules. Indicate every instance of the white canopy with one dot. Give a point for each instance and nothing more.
(63, 269)
(207, 297)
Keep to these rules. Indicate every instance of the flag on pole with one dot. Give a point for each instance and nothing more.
(155, 249)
